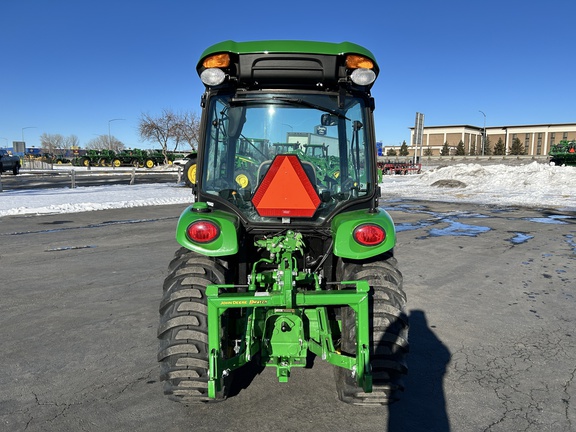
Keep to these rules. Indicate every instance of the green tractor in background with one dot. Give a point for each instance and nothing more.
(276, 264)
(563, 153)
(327, 167)
(129, 157)
(95, 158)
(250, 152)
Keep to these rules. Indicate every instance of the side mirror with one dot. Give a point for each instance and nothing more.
(328, 120)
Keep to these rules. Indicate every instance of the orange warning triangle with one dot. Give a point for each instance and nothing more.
(286, 190)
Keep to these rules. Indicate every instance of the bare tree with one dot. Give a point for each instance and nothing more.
(104, 142)
(170, 127)
(190, 129)
(51, 143)
(71, 142)
(158, 129)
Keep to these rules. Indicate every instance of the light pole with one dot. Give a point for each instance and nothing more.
(109, 136)
(27, 127)
(483, 133)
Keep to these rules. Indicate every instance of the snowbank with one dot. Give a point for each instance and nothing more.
(533, 185)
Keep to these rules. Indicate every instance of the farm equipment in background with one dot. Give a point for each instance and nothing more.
(52, 158)
(280, 265)
(327, 167)
(129, 157)
(250, 152)
(563, 153)
(94, 158)
(399, 168)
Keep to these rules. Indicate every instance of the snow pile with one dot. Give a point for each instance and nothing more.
(56, 201)
(533, 185)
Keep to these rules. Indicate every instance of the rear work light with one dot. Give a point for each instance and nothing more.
(203, 231)
(363, 76)
(363, 73)
(213, 74)
(369, 234)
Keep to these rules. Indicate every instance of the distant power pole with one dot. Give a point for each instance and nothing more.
(418, 130)
(483, 133)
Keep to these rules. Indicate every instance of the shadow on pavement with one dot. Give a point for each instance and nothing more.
(422, 406)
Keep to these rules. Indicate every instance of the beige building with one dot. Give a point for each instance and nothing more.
(537, 139)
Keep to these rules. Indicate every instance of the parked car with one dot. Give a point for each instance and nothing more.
(9, 162)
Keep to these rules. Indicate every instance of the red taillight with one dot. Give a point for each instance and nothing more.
(369, 234)
(203, 231)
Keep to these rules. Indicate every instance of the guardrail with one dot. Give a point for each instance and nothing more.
(482, 160)
(79, 176)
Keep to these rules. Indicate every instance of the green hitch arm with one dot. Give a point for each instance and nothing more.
(215, 369)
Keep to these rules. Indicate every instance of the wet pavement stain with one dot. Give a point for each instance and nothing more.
(457, 229)
(570, 240)
(412, 226)
(67, 248)
(520, 237)
(91, 226)
(552, 219)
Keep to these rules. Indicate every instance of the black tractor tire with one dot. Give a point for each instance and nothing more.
(388, 333)
(183, 329)
(190, 172)
(16, 169)
(149, 163)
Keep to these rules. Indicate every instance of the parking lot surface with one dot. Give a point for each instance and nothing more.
(491, 299)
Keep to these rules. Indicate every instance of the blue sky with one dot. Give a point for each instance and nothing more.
(70, 66)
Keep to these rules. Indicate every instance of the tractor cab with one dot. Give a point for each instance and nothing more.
(271, 96)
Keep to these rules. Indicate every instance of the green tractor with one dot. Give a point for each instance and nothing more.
(284, 267)
(95, 158)
(129, 157)
(563, 153)
(327, 166)
(250, 152)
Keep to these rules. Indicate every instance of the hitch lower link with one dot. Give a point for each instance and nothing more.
(284, 314)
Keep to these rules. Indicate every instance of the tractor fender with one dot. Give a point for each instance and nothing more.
(344, 224)
(226, 243)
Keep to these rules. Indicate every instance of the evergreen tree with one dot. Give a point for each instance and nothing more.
(487, 151)
(460, 149)
(517, 147)
(499, 149)
(473, 149)
(445, 150)
(427, 151)
(404, 149)
(391, 152)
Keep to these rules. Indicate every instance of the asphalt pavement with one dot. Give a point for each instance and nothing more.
(491, 299)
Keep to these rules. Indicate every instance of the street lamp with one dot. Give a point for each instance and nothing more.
(109, 136)
(484, 133)
(27, 127)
